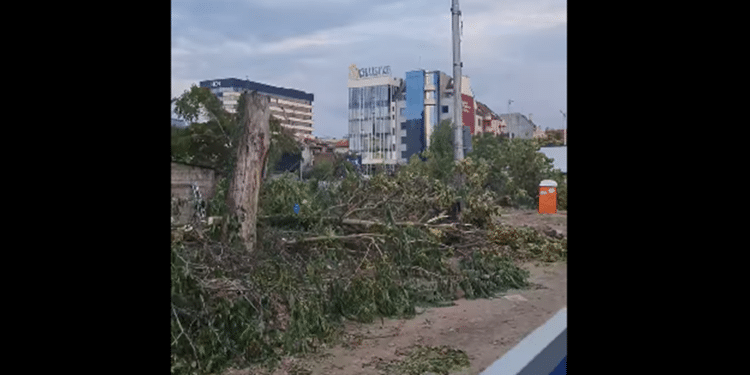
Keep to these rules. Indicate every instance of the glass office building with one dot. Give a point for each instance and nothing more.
(429, 100)
(412, 119)
(391, 119)
(372, 117)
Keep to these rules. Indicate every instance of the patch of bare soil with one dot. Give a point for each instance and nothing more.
(533, 219)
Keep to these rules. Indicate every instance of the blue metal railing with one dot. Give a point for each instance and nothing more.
(544, 351)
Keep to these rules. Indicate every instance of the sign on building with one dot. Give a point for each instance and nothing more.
(380, 71)
(467, 117)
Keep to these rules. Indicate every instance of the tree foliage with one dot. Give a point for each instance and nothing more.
(213, 142)
(357, 249)
(552, 137)
(515, 168)
(440, 154)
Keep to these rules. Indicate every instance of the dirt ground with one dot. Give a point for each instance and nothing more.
(536, 220)
(484, 328)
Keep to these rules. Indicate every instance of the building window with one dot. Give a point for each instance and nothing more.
(445, 109)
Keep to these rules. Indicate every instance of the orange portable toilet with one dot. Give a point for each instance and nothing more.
(548, 197)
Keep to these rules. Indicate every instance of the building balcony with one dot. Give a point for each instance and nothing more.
(299, 127)
(282, 118)
(290, 111)
(289, 103)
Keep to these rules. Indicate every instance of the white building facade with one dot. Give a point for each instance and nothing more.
(293, 108)
(373, 128)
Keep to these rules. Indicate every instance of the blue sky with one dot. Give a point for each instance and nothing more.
(515, 49)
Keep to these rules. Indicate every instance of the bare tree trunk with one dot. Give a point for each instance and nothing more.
(252, 151)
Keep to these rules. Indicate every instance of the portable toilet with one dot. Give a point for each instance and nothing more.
(548, 197)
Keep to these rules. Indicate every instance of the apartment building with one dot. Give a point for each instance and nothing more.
(293, 108)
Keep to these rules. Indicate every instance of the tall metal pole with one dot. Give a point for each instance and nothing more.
(565, 133)
(458, 151)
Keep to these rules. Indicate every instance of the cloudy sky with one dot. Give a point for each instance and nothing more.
(511, 50)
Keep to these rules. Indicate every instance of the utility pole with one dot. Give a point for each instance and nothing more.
(565, 133)
(458, 108)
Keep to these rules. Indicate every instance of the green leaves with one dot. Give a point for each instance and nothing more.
(527, 243)
(213, 142)
(515, 167)
(420, 359)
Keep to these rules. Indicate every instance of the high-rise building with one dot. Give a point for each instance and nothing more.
(293, 108)
(391, 119)
(372, 114)
(429, 101)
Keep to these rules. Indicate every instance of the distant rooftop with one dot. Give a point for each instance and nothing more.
(255, 86)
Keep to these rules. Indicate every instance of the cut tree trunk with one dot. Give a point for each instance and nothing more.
(252, 151)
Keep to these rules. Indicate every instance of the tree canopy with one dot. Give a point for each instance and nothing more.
(516, 166)
(212, 143)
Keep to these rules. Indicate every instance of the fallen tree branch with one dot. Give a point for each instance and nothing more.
(470, 244)
(384, 201)
(379, 337)
(195, 352)
(399, 223)
(346, 237)
(436, 218)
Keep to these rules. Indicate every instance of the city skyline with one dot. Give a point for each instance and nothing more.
(511, 50)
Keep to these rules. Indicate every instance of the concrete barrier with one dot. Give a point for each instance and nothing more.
(538, 353)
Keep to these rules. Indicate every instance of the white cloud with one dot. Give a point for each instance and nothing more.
(510, 49)
(499, 21)
(300, 4)
(298, 43)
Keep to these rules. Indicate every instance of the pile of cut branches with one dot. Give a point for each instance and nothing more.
(357, 250)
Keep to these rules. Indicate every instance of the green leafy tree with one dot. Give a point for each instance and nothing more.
(213, 143)
(323, 170)
(439, 155)
(282, 143)
(552, 137)
(516, 167)
(210, 143)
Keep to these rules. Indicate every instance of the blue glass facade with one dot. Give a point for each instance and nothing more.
(413, 124)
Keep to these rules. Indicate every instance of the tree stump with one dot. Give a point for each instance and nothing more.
(252, 152)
